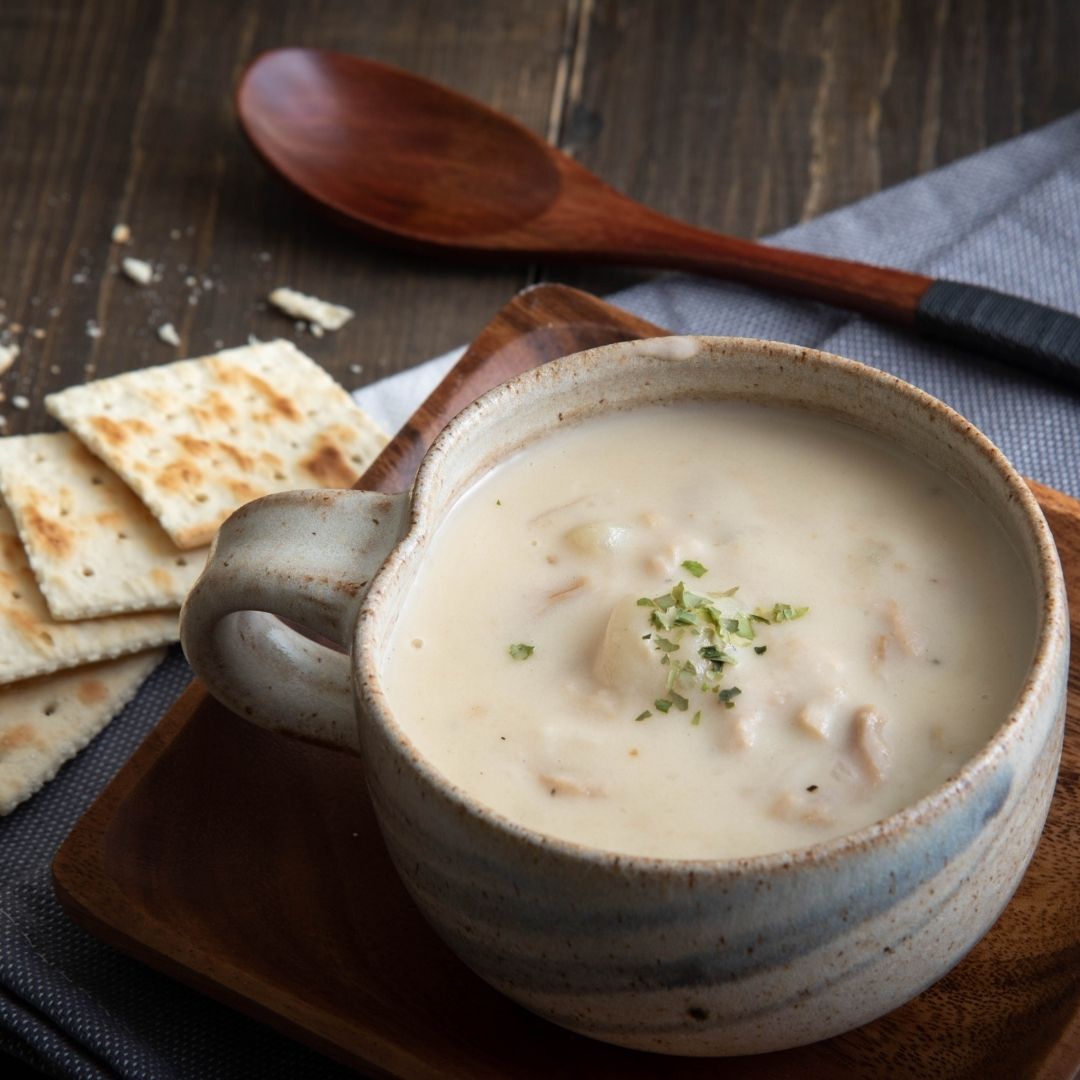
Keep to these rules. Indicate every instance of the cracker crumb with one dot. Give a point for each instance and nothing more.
(167, 333)
(38, 333)
(121, 234)
(92, 329)
(16, 328)
(54, 369)
(175, 234)
(8, 353)
(356, 368)
(317, 330)
(310, 308)
(20, 401)
(142, 273)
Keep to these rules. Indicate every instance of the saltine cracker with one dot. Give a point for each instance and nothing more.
(93, 546)
(196, 439)
(33, 643)
(46, 721)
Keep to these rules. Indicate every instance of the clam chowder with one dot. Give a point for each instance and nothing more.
(709, 630)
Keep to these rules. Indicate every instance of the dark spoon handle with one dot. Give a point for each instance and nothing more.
(1019, 332)
(1022, 333)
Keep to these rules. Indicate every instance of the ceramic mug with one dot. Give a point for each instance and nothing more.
(725, 956)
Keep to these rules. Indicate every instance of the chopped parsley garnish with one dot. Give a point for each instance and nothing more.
(692, 566)
(522, 652)
(642, 716)
(713, 630)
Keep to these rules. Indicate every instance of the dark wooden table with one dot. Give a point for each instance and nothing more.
(742, 116)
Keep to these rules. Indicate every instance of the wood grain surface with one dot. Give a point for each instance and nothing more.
(250, 866)
(740, 116)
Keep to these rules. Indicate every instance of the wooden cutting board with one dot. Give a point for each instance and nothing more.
(250, 866)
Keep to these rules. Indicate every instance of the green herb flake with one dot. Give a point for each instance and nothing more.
(728, 695)
(760, 649)
(665, 644)
(692, 566)
(521, 652)
(642, 716)
(785, 613)
(680, 703)
(662, 704)
(716, 656)
(498, 502)
(697, 718)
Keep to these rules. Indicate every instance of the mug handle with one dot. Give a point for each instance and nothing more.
(308, 557)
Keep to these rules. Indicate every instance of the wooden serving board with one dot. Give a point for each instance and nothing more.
(250, 866)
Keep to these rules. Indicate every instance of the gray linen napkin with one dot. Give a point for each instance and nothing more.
(1008, 218)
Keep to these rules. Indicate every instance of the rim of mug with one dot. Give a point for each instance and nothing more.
(1050, 639)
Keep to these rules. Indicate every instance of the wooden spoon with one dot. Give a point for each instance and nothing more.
(406, 161)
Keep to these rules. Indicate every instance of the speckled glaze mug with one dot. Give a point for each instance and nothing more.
(681, 956)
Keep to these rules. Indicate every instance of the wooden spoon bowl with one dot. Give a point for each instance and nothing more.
(391, 153)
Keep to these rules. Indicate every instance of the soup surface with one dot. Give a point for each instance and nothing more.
(573, 654)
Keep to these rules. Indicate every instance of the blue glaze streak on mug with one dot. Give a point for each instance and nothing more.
(594, 931)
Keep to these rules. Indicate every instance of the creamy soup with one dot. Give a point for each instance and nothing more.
(709, 630)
